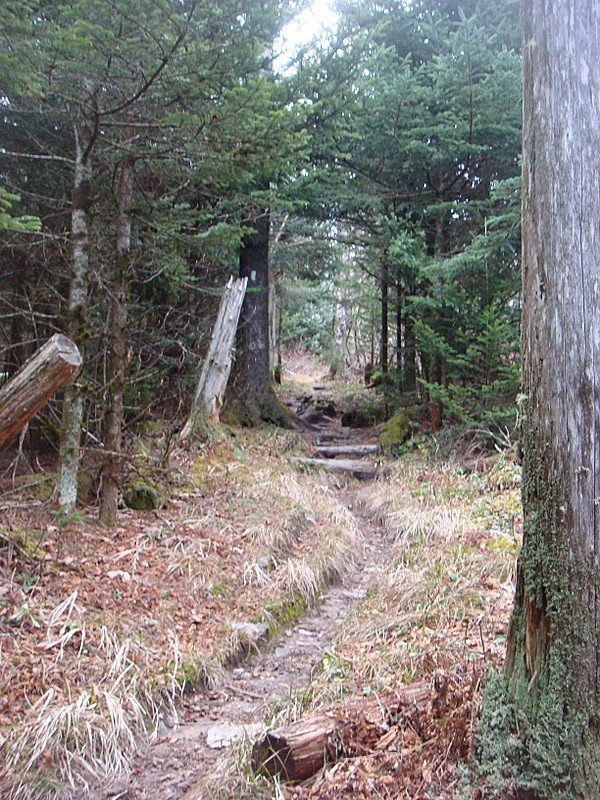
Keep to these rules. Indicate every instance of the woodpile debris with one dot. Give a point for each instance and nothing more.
(300, 750)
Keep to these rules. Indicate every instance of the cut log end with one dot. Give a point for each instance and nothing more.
(67, 350)
(297, 753)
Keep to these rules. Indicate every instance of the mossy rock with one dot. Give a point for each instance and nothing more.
(362, 416)
(26, 541)
(40, 486)
(313, 409)
(88, 481)
(142, 496)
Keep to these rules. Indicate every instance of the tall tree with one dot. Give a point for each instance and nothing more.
(553, 663)
(415, 115)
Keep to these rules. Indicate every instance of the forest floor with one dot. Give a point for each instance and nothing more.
(143, 662)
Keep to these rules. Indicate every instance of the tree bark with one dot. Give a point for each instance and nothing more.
(254, 397)
(253, 338)
(553, 660)
(35, 383)
(119, 285)
(72, 413)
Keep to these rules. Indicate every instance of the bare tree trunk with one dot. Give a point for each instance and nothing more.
(72, 414)
(113, 424)
(553, 661)
(213, 380)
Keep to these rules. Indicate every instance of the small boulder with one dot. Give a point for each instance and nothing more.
(141, 496)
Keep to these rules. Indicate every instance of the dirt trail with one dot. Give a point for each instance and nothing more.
(189, 748)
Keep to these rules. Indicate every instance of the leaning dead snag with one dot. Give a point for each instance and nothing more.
(35, 383)
(210, 391)
(299, 751)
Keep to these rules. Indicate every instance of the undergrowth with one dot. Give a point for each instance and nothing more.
(105, 634)
(437, 611)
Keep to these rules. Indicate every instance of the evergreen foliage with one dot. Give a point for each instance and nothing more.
(387, 155)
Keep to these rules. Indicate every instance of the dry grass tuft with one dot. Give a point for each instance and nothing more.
(72, 738)
(105, 633)
(447, 592)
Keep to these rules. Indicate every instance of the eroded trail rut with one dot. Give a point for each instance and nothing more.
(190, 747)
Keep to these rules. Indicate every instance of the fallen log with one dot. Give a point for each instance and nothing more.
(360, 469)
(298, 751)
(34, 384)
(352, 450)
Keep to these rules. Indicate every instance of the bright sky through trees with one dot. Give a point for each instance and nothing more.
(316, 21)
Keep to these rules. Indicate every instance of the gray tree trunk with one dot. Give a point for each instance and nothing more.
(113, 423)
(77, 307)
(553, 662)
(210, 392)
(35, 383)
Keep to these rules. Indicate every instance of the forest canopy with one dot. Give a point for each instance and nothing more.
(143, 143)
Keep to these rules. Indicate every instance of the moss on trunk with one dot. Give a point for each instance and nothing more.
(252, 411)
(539, 727)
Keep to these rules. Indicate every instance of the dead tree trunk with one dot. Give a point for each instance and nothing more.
(210, 392)
(35, 383)
(553, 653)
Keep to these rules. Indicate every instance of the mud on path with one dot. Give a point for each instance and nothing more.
(191, 745)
